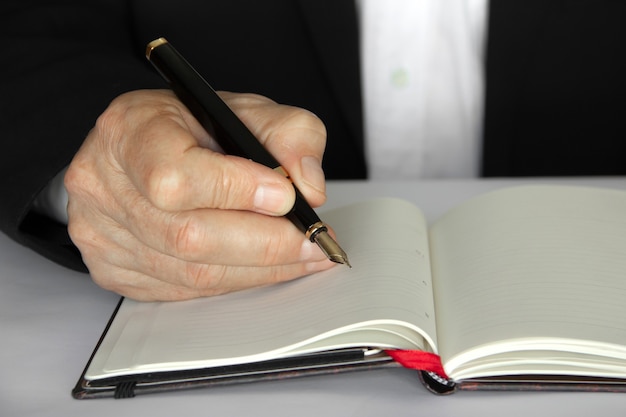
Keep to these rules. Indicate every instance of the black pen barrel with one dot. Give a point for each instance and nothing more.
(206, 106)
(302, 215)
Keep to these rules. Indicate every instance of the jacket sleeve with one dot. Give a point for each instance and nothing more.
(62, 63)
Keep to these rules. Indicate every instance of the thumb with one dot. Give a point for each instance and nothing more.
(294, 136)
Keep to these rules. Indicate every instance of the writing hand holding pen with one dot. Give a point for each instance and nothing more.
(233, 136)
(158, 214)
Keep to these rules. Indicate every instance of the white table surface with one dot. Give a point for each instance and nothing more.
(51, 318)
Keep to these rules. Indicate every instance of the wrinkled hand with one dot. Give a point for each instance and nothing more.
(159, 213)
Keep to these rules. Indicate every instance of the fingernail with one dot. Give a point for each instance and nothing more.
(312, 173)
(271, 199)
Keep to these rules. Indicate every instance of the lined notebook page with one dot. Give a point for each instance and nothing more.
(389, 284)
(531, 264)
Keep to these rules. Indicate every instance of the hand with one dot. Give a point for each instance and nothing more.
(159, 213)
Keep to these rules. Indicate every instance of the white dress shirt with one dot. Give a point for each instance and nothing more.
(422, 74)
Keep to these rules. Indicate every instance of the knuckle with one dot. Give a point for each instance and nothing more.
(208, 279)
(274, 250)
(304, 119)
(81, 175)
(113, 116)
(232, 187)
(105, 280)
(221, 187)
(82, 234)
(298, 123)
(73, 179)
(163, 187)
(185, 237)
(119, 281)
(277, 275)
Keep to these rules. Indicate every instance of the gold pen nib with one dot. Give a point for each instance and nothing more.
(331, 248)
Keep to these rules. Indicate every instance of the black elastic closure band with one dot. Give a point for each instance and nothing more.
(125, 389)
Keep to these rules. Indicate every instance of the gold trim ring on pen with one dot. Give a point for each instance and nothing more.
(154, 44)
(314, 229)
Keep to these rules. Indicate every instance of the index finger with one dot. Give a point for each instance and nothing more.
(164, 160)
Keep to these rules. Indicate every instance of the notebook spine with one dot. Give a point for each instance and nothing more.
(437, 384)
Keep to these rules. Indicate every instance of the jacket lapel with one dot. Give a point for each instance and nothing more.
(334, 33)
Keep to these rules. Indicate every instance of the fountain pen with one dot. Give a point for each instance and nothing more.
(233, 136)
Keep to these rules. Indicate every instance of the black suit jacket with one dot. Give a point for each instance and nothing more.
(555, 96)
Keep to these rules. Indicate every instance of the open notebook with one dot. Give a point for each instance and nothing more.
(523, 287)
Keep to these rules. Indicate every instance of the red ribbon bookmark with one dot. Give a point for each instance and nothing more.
(421, 361)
